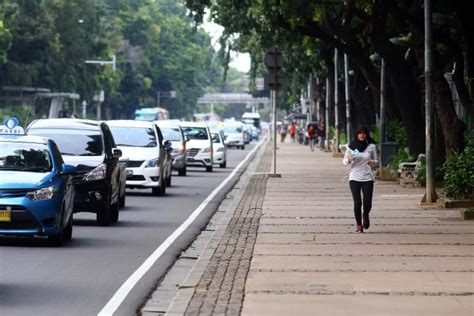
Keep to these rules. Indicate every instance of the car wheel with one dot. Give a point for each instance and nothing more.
(223, 165)
(182, 172)
(160, 190)
(67, 232)
(243, 147)
(114, 212)
(122, 200)
(104, 215)
(64, 234)
(208, 168)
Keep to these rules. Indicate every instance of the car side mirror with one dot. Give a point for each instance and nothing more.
(116, 153)
(68, 169)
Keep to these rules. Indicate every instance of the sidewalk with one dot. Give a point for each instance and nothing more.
(308, 260)
(287, 246)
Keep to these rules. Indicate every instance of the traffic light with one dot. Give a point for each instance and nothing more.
(273, 80)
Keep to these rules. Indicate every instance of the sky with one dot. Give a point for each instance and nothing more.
(239, 61)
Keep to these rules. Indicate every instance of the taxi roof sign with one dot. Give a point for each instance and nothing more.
(11, 126)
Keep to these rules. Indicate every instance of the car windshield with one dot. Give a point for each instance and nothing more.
(195, 132)
(134, 136)
(232, 129)
(73, 142)
(25, 157)
(171, 134)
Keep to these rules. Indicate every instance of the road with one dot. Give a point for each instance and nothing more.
(81, 277)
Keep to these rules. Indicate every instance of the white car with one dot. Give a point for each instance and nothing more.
(199, 146)
(149, 159)
(234, 135)
(220, 149)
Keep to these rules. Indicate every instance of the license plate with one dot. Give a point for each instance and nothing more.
(129, 172)
(5, 216)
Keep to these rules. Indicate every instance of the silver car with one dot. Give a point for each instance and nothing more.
(174, 133)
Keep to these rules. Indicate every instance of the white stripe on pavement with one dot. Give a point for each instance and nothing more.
(119, 296)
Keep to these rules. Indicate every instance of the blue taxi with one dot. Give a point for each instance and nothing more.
(36, 188)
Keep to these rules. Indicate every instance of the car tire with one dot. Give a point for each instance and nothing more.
(114, 212)
(160, 190)
(242, 147)
(182, 172)
(104, 215)
(67, 232)
(122, 200)
(223, 165)
(208, 168)
(64, 234)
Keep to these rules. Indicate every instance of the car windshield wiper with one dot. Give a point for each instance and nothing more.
(35, 169)
(90, 154)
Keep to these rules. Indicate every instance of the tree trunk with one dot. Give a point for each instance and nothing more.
(405, 87)
(451, 126)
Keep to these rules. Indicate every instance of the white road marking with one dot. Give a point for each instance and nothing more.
(114, 303)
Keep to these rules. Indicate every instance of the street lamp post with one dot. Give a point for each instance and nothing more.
(348, 98)
(336, 100)
(382, 119)
(112, 62)
(430, 194)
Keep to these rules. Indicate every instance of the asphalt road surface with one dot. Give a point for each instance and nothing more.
(81, 277)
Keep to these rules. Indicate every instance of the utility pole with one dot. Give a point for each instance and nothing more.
(328, 87)
(318, 103)
(348, 98)
(382, 109)
(430, 194)
(336, 100)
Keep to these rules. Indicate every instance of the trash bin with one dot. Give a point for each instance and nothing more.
(389, 149)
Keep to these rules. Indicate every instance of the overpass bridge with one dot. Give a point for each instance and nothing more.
(234, 98)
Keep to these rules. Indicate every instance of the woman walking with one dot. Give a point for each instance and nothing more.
(361, 154)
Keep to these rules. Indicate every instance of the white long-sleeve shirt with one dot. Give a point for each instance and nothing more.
(360, 169)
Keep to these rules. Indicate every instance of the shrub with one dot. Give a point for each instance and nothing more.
(342, 138)
(458, 170)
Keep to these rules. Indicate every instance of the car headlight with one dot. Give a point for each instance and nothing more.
(42, 194)
(207, 150)
(220, 149)
(153, 163)
(97, 174)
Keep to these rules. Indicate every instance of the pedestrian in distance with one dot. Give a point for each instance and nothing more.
(283, 132)
(311, 136)
(361, 154)
(293, 132)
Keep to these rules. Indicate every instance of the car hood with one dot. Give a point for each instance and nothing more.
(234, 135)
(23, 180)
(197, 143)
(140, 153)
(83, 162)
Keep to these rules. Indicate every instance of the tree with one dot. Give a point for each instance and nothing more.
(357, 28)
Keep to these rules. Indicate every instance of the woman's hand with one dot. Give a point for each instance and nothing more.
(350, 159)
(370, 162)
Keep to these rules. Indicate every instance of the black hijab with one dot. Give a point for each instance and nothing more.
(361, 145)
